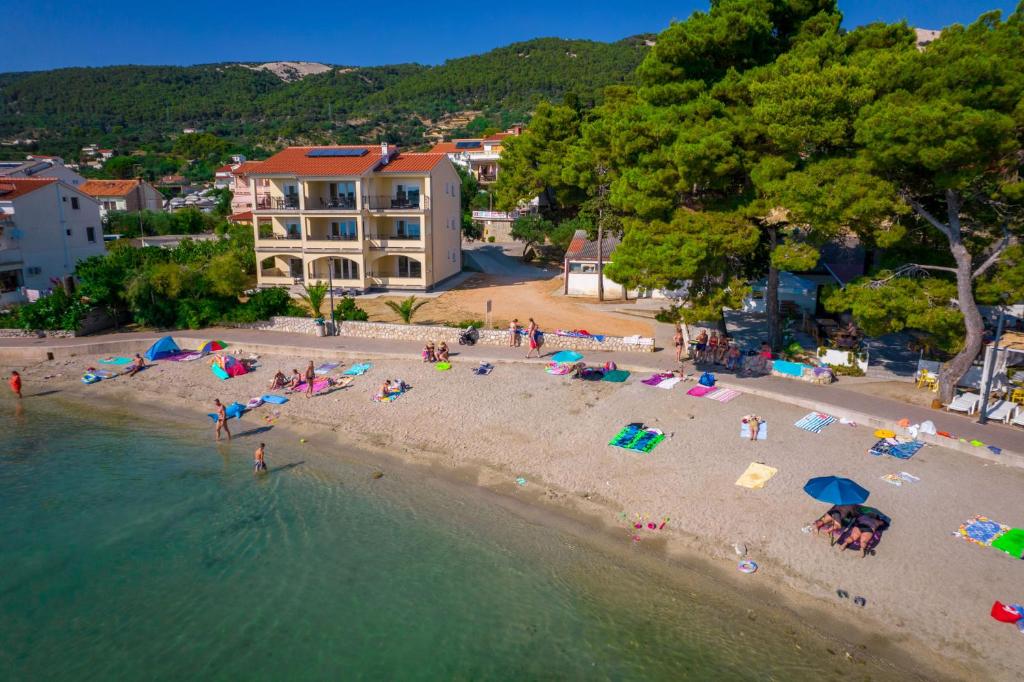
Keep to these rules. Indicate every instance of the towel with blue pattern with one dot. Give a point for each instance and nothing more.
(815, 422)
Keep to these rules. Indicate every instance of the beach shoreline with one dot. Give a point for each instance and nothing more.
(785, 586)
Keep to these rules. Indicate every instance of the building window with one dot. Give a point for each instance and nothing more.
(407, 267)
(74, 203)
(68, 231)
(584, 268)
(10, 280)
(407, 229)
(109, 205)
(343, 268)
(90, 234)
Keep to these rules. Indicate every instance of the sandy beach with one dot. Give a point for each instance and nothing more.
(927, 593)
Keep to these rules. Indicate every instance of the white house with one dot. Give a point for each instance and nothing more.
(46, 227)
(124, 195)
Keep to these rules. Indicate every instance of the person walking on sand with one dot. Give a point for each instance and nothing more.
(513, 333)
(222, 419)
(310, 377)
(532, 333)
(15, 383)
(259, 463)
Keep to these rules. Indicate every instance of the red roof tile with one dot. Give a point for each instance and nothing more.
(246, 167)
(243, 217)
(294, 161)
(109, 188)
(223, 169)
(12, 188)
(412, 163)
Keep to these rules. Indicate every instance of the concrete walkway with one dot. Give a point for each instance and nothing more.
(864, 408)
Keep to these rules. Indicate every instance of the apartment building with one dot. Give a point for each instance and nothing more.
(46, 227)
(478, 155)
(360, 217)
(242, 197)
(39, 166)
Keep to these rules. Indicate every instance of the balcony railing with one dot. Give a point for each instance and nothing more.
(331, 203)
(289, 236)
(286, 203)
(396, 237)
(381, 203)
(334, 237)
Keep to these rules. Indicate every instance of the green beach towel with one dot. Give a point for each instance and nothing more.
(615, 375)
(116, 361)
(638, 438)
(1011, 542)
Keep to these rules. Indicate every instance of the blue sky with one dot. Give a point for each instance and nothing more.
(44, 34)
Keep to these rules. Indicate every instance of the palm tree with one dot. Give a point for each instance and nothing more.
(406, 308)
(314, 297)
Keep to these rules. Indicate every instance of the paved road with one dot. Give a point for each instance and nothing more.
(504, 260)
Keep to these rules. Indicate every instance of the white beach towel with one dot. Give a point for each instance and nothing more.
(669, 383)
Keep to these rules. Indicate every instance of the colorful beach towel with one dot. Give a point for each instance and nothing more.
(699, 391)
(723, 395)
(638, 438)
(899, 479)
(116, 361)
(318, 386)
(895, 448)
(483, 369)
(358, 369)
(389, 398)
(656, 379)
(981, 530)
(557, 369)
(326, 367)
(615, 375)
(1011, 542)
(756, 476)
(815, 422)
(762, 431)
(183, 356)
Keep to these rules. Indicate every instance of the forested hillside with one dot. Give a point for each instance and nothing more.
(128, 107)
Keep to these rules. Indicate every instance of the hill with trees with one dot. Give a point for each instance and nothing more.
(146, 107)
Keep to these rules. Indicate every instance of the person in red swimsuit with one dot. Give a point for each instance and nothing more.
(15, 383)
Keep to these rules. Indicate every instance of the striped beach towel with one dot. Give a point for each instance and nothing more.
(815, 422)
(723, 395)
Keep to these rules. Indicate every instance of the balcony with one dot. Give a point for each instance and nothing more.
(285, 203)
(344, 203)
(415, 202)
(333, 242)
(404, 242)
(391, 281)
(278, 276)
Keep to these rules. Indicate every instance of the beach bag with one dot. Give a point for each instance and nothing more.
(609, 366)
(1005, 614)
(706, 379)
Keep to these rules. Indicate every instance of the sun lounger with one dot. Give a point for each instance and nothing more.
(1003, 411)
(965, 402)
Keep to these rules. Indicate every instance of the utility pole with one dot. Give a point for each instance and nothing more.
(330, 291)
(601, 189)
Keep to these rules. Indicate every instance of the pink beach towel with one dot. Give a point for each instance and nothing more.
(699, 391)
(318, 385)
(656, 379)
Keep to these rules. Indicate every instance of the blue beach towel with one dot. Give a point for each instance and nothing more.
(793, 369)
(762, 431)
(815, 422)
(893, 448)
(357, 370)
(116, 361)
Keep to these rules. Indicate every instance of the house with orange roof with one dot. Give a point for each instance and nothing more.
(124, 195)
(242, 197)
(478, 155)
(356, 217)
(39, 166)
(46, 227)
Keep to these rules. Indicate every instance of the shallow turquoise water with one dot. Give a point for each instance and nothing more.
(132, 551)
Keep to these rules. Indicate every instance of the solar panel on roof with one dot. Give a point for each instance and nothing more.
(467, 145)
(330, 153)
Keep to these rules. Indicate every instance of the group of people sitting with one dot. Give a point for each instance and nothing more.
(851, 526)
(390, 387)
(435, 354)
(716, 349)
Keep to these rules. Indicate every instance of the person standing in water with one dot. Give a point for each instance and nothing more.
(310, 378)
(258, 462)
(15, 383)
(222, 419)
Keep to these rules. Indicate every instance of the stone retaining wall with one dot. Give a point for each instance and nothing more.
(36, 334)
(424, 333)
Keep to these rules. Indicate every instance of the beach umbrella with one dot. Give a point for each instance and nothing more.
(835, 490)
(211, 346)
(566, 356)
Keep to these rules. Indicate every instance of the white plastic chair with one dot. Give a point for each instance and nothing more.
(1003, 410)
(965, 402)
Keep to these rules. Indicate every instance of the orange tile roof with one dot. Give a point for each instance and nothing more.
(242, 217)
(294, 161)
(498, 137)
(451, 148)
(223, 169)
(412, 163)
(12, 188)
(246, 167)
(109, 188)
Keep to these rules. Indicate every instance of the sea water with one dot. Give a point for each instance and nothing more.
(135, 548)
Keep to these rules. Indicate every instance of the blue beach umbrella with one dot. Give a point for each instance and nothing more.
(835, 490)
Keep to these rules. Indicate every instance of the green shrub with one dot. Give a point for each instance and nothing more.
(264, 304)
(475, 324)
(348, 310)
(491, 239)
(56, 311)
